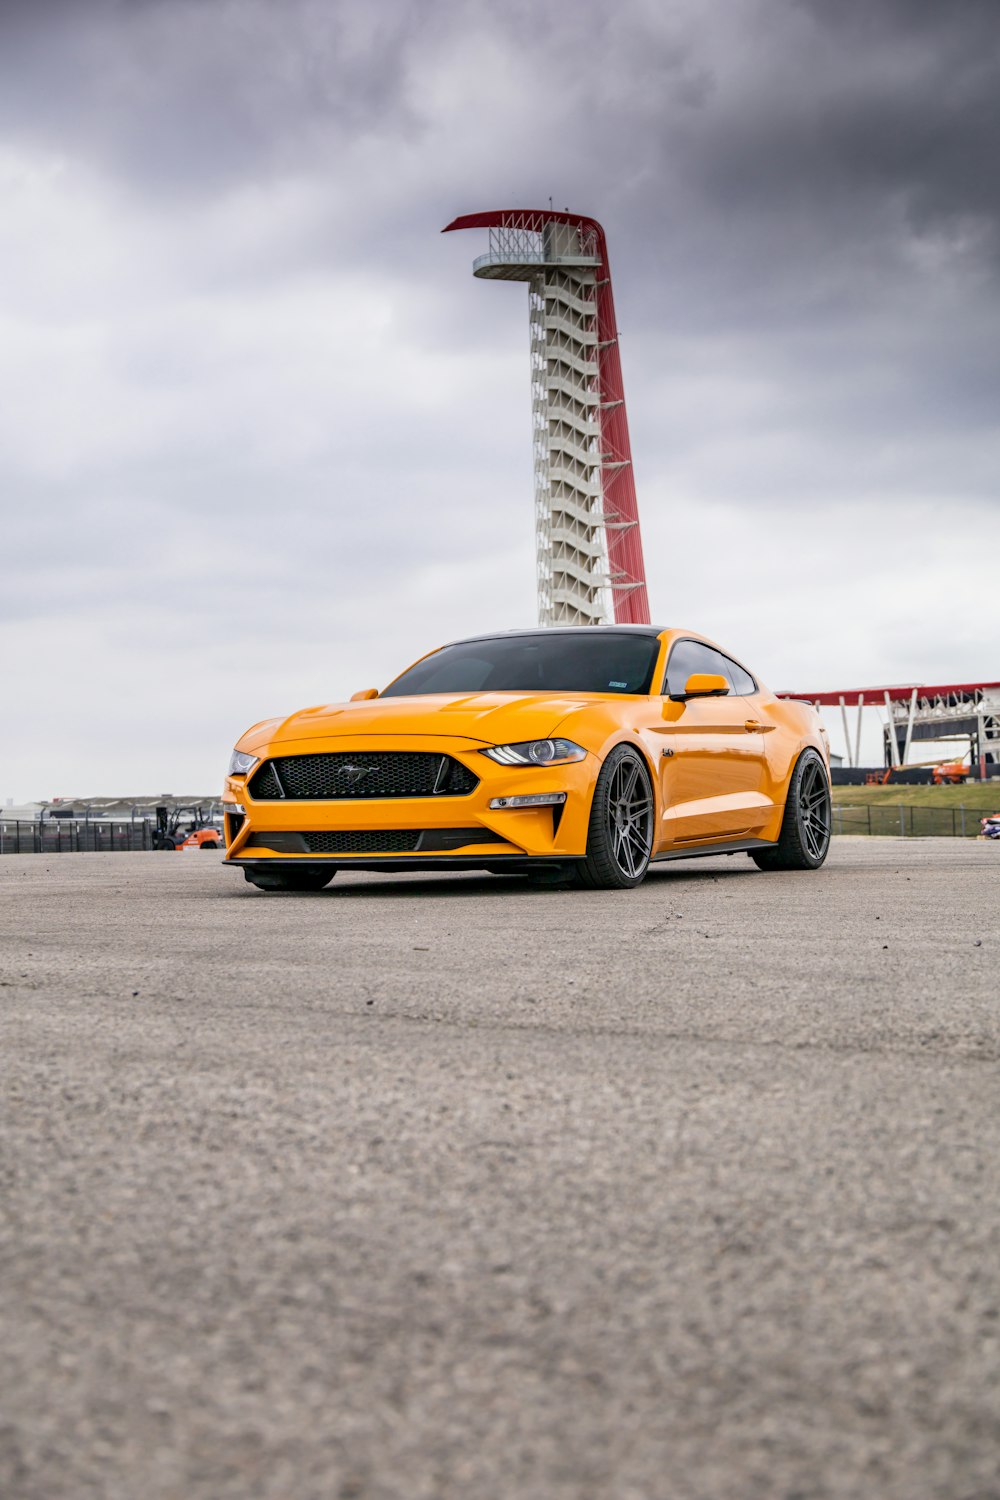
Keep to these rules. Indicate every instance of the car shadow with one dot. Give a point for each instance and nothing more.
(461, 886)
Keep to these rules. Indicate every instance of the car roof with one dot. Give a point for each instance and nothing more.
(651, 631)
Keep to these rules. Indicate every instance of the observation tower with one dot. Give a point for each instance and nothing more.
(588, 544)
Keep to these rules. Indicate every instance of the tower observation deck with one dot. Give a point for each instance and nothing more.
(588, 543)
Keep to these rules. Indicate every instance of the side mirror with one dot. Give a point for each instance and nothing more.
(706, 685)
(364, 694)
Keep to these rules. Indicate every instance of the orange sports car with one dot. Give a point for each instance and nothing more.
(586, 753)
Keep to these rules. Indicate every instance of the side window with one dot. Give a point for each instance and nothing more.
(687, 657)
(741, 680)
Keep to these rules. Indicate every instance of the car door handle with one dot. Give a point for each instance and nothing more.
(754, 726)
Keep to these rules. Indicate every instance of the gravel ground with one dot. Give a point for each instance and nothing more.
(452, 1189)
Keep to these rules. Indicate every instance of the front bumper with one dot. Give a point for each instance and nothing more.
(398, 833)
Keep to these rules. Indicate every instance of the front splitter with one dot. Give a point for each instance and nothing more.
(512, 862)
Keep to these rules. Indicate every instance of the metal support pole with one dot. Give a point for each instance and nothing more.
(857, 742)
(847, 732)
(909, 726)
(891, 759)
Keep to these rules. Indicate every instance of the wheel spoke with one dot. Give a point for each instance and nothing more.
(638, 842)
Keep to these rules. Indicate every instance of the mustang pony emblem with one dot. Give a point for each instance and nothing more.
(355, 774)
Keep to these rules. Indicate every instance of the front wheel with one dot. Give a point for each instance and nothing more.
(805, 829)
(289, 880)
(620, 838)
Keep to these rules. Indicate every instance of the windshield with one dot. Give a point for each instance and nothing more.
(557, 661)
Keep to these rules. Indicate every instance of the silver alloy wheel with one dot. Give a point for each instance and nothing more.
(630, 817)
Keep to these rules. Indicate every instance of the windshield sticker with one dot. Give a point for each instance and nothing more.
(617, 684)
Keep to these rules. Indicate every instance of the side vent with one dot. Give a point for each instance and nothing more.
(234, 822)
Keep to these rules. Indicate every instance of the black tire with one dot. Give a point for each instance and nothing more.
(290, 880)
(622, 816)
(805, 829)
(208, 844)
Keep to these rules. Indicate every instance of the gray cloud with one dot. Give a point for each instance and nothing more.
(189, 95)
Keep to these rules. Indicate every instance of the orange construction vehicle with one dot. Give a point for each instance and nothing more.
(950, 773)
(185, 828)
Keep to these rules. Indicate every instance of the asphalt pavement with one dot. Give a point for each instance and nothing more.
(456, 1189)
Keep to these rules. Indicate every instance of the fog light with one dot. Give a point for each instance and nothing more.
(533, 799)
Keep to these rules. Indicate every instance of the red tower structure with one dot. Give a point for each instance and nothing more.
(589, 545)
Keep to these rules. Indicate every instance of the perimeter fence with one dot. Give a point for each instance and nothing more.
(74, 835)
(108, 835)
(909, 821)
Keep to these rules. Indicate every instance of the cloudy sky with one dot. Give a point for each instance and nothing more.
(263, 439)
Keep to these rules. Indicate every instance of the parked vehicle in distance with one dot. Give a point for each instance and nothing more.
(583, 753)
(950, 773)
(991, 826)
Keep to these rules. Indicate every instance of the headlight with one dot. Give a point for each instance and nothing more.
(240, 763)
(536, 753)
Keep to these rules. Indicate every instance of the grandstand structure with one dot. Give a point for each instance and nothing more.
(589, 558)
(918, 713)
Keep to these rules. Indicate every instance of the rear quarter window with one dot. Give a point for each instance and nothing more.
(742, 682)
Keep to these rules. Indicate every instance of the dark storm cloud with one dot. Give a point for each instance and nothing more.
(894, 99)
(830, 134)
(188, 95)
(845, 125)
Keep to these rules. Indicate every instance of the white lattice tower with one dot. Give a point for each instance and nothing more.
(571, 558)
(569, 538)
(588, 544)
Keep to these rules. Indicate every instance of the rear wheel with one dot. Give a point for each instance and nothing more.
(805, 829)
(620, 838)
(289, 880)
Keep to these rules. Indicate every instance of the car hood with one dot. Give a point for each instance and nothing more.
(486, 718)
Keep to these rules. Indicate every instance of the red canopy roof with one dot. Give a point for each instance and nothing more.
(897, 694)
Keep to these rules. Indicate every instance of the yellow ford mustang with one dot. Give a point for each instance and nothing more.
(585, 752)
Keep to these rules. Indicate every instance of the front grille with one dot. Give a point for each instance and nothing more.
(263, 785)
(374, 841)
(363, 776)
